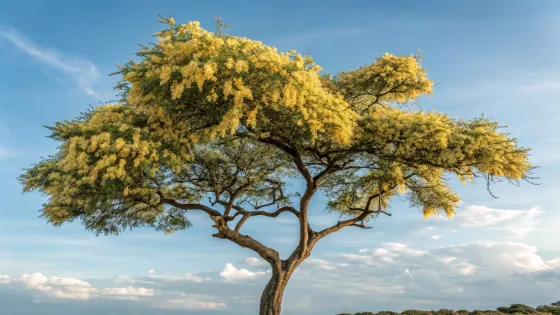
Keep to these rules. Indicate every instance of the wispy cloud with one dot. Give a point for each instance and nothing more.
(518, 223)
(190, 302)
(128, 293)
(254, 261)
(513, 86)
(167, 277)
(78, 71)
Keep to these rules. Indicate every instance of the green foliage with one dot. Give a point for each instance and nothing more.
(553, 308)
(517, 308)
(548, 309)
(417, 312)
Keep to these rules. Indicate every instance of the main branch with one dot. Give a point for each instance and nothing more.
(265, 252)
(311, 188)
(365, 212)
(224, 232)
(192, 206)
(245, 215)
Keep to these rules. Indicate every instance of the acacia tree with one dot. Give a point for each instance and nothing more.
(219, 124)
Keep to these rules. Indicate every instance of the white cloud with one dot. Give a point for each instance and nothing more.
(518, 223)
(475, 216)
(79, 71)
(447, 259)
(468, 270)
(380, 252)
(169, 277)
(49, 288)
(53, 287)
(395, 246)
(385, 255)
(436, 237)
(502, 257)
(232, 273)
(128, 293)
(124, 279)
(73, 289)
(190, 302)
(356, 257)
(403, 249)
(319, 263)
(492, 273)
(363, 250)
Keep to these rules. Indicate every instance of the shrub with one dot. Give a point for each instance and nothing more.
(517, 308)
(416, 312)
(443, 311)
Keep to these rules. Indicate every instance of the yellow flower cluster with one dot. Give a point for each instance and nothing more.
(238, 77)
(428, 144)
(389, 79)
(109, 146)
(437, 138)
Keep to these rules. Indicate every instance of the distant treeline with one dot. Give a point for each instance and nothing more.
(553, 308)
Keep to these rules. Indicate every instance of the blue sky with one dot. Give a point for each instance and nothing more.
(500, 58)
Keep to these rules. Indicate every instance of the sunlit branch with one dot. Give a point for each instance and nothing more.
(362, 226)
(265, 252)
(362, 216)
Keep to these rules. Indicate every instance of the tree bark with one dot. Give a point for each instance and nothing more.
(271, 299)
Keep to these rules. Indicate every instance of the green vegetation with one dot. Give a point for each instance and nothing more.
(552, 309)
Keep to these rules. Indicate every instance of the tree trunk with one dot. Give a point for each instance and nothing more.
(271, 299)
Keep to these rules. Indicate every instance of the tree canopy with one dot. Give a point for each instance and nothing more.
(217, 123)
